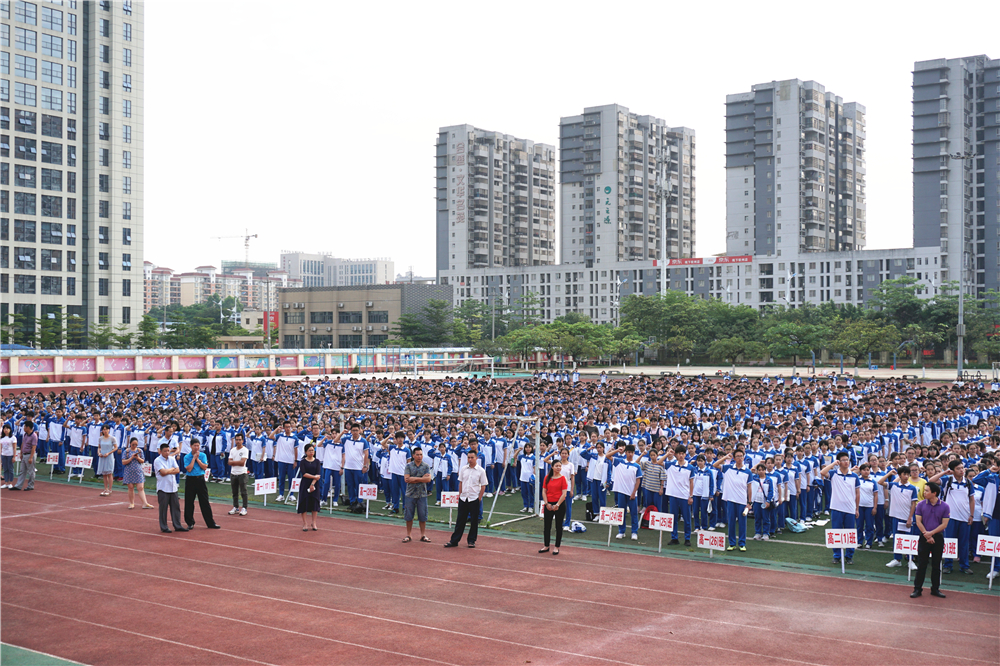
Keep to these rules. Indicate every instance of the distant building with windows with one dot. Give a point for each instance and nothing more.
(163, 285)
(350, 317)
(71, 161)
(321, 269)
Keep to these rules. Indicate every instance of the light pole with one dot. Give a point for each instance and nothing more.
(960, 330)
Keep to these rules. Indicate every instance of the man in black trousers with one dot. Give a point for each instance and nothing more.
(195, 464)
(471, 486)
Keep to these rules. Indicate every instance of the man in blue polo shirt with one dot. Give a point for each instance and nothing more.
(626, 476)
(845, 497)
(736, 493)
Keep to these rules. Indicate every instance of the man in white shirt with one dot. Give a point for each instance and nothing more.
(845, 499)
(471, 487)
(166, 470)
(356, 459)
(238, 457)
(736, 493)
(286, 449)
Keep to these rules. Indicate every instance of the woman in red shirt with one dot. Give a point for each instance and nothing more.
(555, 489)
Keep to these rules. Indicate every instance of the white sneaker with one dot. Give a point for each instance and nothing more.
(635, 537)
(279, 498)
(913, 565)
(335, 504)
(243, 511)
(712, 528)
(291, 498)
(228, 479)
(756, 537)
(620, 535)
(993, 574)
(234, 511)
(531, 510)
(438, 503)
(489, 494)
(765, 538)
(894, 563)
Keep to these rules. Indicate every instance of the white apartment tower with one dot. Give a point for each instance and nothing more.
(495, 200)
(627, 188)
(71, 136)
(795, 171)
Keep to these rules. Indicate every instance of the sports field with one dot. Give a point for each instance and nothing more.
(87, 580)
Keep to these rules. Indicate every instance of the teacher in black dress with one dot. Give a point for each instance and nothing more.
(309, 499)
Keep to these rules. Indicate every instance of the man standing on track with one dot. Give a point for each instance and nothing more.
(165, 469)
(416, 475)
(355, 463)
(238, 457)
(26, 475)
(471, 487)
(932, 517)
(195, 464)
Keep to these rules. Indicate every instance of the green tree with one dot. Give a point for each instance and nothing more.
(860, 338)
(102, 336)
(794, 339)
(76, 332)
(149, 333)
(50, 330)
(437, 319)
(123, 336)
(898, 301)
(679, 345)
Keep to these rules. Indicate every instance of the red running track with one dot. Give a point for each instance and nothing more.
(86, 579)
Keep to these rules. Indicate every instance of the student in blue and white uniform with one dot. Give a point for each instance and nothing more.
(286, 448)
(736, 493)
(704, 490)
(597, 472)
(956, 491)
(526, 462)
(845, 495)
(679, 489)
(762, 494)
(902, 504)
(626, 477)
(867, 506)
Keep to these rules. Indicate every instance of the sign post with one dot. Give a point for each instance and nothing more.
(711, 541)
(52, 459)
(265, 486)
(662, 522)
(611, 517)
(989, 546)
(147, 469)
(449, 500)
(83, 462)
(842, 539)
(367, 492)
(905, 544)
(950, 551)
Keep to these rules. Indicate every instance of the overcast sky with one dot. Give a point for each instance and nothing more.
(312, 123)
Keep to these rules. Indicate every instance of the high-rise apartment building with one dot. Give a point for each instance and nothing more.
(253, 292)
(71, 139)
(321, 269)
(795, 170)
(956, 157)
(627, 187)
(495, 200)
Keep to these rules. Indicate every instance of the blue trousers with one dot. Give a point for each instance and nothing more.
(597, 496)
(736, 521)
(866, 525)
(119, 468)
(569, 511)
(490, 478)
(527, 494)
(761, 524)
(841, 520)
(827, 489)
(793, 507)
(958, 530)
(60, 448)
(331, 480)
(701, 515)
(680, 507)
(994, 530)
(719, 509)
(353, 478)
(650, 497)
(631, 506)
(285, 471)
(397, 490)
(879, 520)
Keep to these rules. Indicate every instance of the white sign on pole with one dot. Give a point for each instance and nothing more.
(52, 459)
(950, 549)
(367, 492)
(712, 542)
(842, 539)
(265, 487)
(990, 547)
(905, 544)
(296, 483)
(147, 469)
(449, 500)
(662, 522)
(611, 516)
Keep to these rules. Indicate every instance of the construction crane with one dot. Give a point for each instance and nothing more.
(246, 244)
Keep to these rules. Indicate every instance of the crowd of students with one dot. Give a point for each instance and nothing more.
(709, 450)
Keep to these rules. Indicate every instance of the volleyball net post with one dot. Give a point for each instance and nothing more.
(344, 413)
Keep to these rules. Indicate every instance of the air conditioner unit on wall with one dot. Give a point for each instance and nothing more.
(329, 328)
(287, 305)
(370, 328)
(369, 304)
(313, 329)
(385, 328)
(302, 328)
(340, 305)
